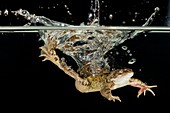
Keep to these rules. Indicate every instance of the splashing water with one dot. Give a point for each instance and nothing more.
(84, 46)
(6, 12)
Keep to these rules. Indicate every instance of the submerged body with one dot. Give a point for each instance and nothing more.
(118, 78)
(108, 82)
(104, 83)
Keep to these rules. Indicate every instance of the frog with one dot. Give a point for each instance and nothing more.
(103, 83)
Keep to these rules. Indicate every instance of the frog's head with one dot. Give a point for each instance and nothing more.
(120, 77)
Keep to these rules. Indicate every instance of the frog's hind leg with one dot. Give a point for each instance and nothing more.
(143, 87)
(106, 92)
(48, 51)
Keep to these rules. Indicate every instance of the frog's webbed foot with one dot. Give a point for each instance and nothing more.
(143, 87)
(146, 88)
(48, 54)
(106, 92)
(48, 51)
(114, 98)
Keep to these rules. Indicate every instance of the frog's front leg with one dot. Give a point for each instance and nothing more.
(106, 92)
(143, 87)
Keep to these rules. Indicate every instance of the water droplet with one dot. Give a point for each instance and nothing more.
(69, 12)
(123, 22)
(65, 6)
(132, 61)
(90, 15)
(6, 12)
(133, 20)
(111, 16)
(157, 9)
(136, 13)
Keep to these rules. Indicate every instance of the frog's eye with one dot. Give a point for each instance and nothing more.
(120, 71)
(127, 70)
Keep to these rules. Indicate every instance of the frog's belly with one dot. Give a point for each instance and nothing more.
(87, 88)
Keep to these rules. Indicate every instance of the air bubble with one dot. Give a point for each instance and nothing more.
(124, 47)
(117, 53)
(130, 54)
(128, 51)
(132, 61)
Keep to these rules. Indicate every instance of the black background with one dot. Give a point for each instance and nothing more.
(28, 84)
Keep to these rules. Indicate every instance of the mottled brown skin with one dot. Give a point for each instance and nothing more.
(104, 83)
(108, 82)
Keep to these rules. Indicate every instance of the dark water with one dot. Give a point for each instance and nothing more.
(25, 77)
(27, 82)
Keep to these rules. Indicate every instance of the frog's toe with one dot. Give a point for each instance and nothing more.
(114, 98)
(146, 88)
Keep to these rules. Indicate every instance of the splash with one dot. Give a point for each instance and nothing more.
(86, 47)
(94, 16)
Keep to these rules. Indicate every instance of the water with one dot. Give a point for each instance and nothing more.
(84, 46)
(146, 55)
